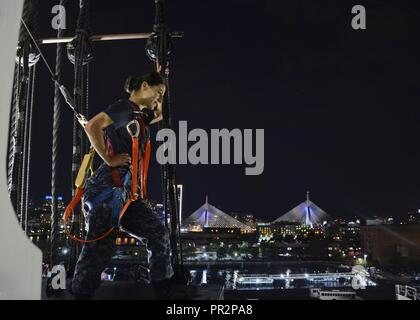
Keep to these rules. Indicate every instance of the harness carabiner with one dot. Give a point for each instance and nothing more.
(136, 133)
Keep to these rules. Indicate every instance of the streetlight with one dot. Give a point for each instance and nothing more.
(364, 258)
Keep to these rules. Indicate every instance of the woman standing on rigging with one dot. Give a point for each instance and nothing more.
(109, 135)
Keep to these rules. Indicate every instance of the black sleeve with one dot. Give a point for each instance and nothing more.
(120, 113)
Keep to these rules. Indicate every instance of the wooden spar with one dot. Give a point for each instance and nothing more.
(108, 37)
(104, 37)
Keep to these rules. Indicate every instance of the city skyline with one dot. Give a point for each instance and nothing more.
(265, 219)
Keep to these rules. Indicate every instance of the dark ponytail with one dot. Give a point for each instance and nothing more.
(133, 83)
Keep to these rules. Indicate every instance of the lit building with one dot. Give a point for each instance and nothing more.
(347, 235)
(349, 232)
(392, 246)
(283, 229)
(159, 210)
(379, 220)
(46, 204)
(250, 221)
(247, 219)
(264, 228)
(264, 231)
(414, 217)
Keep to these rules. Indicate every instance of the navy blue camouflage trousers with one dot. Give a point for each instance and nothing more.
(139, 221)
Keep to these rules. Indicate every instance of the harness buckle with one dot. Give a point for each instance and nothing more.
(133, 134)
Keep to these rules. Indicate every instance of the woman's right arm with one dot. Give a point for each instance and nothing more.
(95, 132)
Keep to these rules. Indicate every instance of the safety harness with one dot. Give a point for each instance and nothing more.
(118, 198)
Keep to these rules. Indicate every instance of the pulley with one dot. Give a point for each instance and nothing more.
(33, 56)
(87, 54)
(152, 48)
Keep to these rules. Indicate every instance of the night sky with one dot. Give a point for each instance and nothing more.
(340, 107)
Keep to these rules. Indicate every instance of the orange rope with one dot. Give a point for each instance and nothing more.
(145, 168)
(67, 214)
(135, 162)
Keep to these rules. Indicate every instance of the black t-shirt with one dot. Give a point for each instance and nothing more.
(121, 113)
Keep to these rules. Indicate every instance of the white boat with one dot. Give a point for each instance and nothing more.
(327, 294)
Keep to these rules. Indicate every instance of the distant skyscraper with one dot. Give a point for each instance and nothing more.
(180, 189)
(48, 200)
